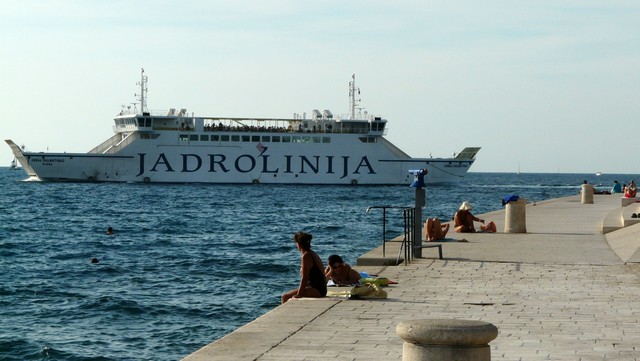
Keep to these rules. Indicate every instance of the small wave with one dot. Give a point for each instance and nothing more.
(112, 304)
(109, 269)
(64, 256)
(48, 352)
(18, 349)
(7, 253)
(7, 291)
(26, 349)
(51, 353)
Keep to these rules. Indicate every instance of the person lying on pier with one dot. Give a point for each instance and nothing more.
(340, 272)
(463, 219)
(312, 279)
(435, 230)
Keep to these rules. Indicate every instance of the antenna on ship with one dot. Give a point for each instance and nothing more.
(352, 96)
(143, 92)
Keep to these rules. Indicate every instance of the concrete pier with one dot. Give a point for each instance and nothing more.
(562, 291)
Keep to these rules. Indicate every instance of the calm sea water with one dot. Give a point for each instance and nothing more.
(188, 263)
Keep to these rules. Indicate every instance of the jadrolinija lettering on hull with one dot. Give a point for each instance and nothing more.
(247, 163)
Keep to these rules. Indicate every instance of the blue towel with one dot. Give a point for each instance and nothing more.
(510, 198)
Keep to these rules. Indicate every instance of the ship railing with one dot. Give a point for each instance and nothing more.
(113, 144)
(408, 221)
(257, 129)
(128, 139)
(101, 148)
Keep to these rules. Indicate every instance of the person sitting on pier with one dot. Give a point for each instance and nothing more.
(313, 282)
(435, 230)
(340, 272)
(596, 191)
(631, 190)
(463, 219)
(617, 188)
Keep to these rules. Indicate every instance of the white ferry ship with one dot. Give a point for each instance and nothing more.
(174, 147)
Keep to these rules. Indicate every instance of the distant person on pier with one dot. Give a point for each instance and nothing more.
(435, 230)
(340, 272)
(595, 190)
(617, 188)
(631, 190)
(463, 219)
(313, 282)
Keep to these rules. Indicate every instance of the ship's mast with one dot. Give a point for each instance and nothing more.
(143, 92)
(352, 96)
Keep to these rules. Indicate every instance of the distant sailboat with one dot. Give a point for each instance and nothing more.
(598, 173)
(518, 168)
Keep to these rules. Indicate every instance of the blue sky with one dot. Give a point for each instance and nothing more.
(553, 86)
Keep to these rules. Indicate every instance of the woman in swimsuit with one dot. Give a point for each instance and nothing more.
(313, 282)
(340, 272)
(631, 190)
(435, 230)
(463, 219)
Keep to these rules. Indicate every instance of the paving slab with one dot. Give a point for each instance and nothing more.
(557, 292)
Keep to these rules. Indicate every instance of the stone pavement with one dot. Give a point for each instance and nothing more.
(558, 292)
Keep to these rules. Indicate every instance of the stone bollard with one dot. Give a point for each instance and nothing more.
(515, 216)
(587, 193)
(446, 340)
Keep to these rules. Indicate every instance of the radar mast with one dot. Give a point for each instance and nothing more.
(142, 97)
(352, 97)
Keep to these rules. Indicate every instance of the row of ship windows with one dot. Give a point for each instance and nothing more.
(253, 138)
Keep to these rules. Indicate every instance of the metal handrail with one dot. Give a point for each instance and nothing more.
(409, 217)
(384, 223)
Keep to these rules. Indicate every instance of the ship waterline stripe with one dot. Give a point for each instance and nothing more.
(81, 155)
(76, 155)
(425, 161)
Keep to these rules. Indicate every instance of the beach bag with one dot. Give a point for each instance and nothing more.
(489, 228)
(368, 290)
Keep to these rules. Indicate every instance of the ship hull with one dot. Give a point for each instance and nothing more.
(343, 161)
